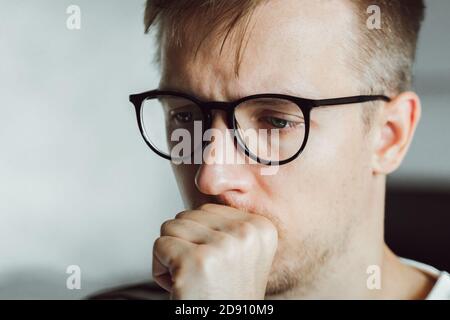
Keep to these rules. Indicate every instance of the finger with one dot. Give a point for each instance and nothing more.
(217, 219)
(227, 211)
(229, 220)
(168, 253)
(188, 230)
(209, 220)
(161, 274)
(241, 218)
(171, 250)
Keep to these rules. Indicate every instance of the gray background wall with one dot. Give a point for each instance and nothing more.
(77, 184)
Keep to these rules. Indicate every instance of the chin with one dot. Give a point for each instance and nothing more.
(298, 268)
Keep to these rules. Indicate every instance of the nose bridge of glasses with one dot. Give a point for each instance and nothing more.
(226, 107)
(220, 120)
(217, 105)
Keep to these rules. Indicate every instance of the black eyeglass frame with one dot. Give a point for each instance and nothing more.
(305, 105)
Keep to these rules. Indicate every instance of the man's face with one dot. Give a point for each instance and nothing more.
(316, 201)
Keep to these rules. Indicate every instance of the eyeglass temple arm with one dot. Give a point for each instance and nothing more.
(350, 100)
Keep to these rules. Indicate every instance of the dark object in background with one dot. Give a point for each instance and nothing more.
(418, 224)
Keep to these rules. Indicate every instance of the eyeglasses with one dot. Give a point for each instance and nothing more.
(259, 123)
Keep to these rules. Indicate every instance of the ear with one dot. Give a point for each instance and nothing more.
(396, 126)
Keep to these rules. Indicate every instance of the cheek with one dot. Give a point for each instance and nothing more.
(320, 189)
(338, 147)
(338, 163)
(185, 178)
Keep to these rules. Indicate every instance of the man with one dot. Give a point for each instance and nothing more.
(314, 227)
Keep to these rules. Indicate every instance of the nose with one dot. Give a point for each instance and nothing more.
(224, 169)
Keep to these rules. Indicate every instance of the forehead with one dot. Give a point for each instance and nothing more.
(297, 47)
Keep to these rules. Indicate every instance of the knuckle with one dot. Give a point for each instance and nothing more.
(269, 233)
(207, 207)
(182, 214)
(226, 243)
(264, 223)
(222, 237)
(163, 243)
(166, 226)
(166, 246)
(159, 243)
(244, 229)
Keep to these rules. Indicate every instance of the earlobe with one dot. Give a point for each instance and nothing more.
(398, 121)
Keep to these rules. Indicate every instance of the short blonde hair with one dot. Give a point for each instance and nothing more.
(386, 54)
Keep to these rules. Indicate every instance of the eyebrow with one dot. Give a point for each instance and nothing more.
(304, 90)
(303, 93)
(306, 94)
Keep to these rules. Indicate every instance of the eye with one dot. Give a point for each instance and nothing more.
(273, 119)
(276, 122)
(279, 123)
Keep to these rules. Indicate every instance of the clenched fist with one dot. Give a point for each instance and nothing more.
(215, 252)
